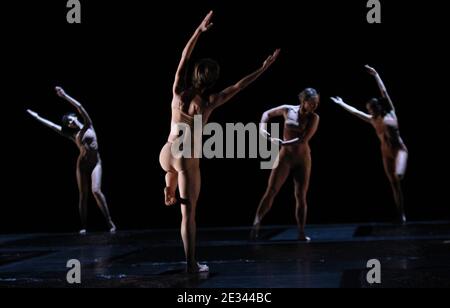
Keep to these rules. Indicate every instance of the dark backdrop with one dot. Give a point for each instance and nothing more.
(120, 64)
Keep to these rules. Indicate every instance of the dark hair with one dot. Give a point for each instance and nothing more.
(307, 94)
(206, 72)
(65, 124)
(379, 106)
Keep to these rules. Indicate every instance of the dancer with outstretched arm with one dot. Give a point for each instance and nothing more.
(191, 97)
(89, 165)
(383, 117)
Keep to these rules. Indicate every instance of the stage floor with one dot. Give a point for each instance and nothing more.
(415, 255)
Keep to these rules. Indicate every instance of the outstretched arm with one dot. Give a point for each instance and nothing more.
(381, 85)
(86, 118)
(47, 123)
(364, 116)
(224, 96)
(180, 76)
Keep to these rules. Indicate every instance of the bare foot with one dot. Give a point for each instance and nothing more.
(83, 232)
(169, 195)
(199, 268)
(303, 238)
(113, 228)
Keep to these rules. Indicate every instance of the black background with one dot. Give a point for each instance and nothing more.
(120, 64)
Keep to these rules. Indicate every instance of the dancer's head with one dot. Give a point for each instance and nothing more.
(309, 100)
(206, 72)
(70, 122)
(377, 107)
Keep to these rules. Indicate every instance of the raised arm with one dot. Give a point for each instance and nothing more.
(86, 118)
(381, 85)
(224, 96)
(364, 116)
(48, 123)
(180, 76)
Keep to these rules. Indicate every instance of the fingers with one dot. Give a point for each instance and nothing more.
(31, 112)
(209, 16)
(337, 99)
(59, 90)
(370, 69)
(207, 19)
(276, 53)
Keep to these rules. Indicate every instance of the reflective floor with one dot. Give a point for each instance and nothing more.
(415, 255)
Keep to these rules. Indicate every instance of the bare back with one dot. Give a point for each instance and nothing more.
(185, 107)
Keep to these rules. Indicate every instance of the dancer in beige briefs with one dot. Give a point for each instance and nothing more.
(190, 99)
(383, 117)
(89, 164)
(301, 123)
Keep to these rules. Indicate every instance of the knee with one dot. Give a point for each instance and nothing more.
(395, 181)
(271, 192)
(83, 195)
(300, 196)
(400, 176)
(189, 216)
(97, 191)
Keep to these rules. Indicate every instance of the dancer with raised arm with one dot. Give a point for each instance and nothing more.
(383, 117)
(89, 164)
(301, 123)
(191, 97)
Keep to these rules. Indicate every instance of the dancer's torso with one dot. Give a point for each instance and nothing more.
(88, 146)
(295, 126)
(388, 133)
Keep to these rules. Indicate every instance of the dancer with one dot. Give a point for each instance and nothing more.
(383, 117)
(301, 123)
(89, 164)
(190, 99)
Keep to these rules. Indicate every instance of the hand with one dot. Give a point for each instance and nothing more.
(337, 100)
(206, 23)
(32, 113)
(371, 70)
(60, 92)
(264, 132)
(271, 59)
